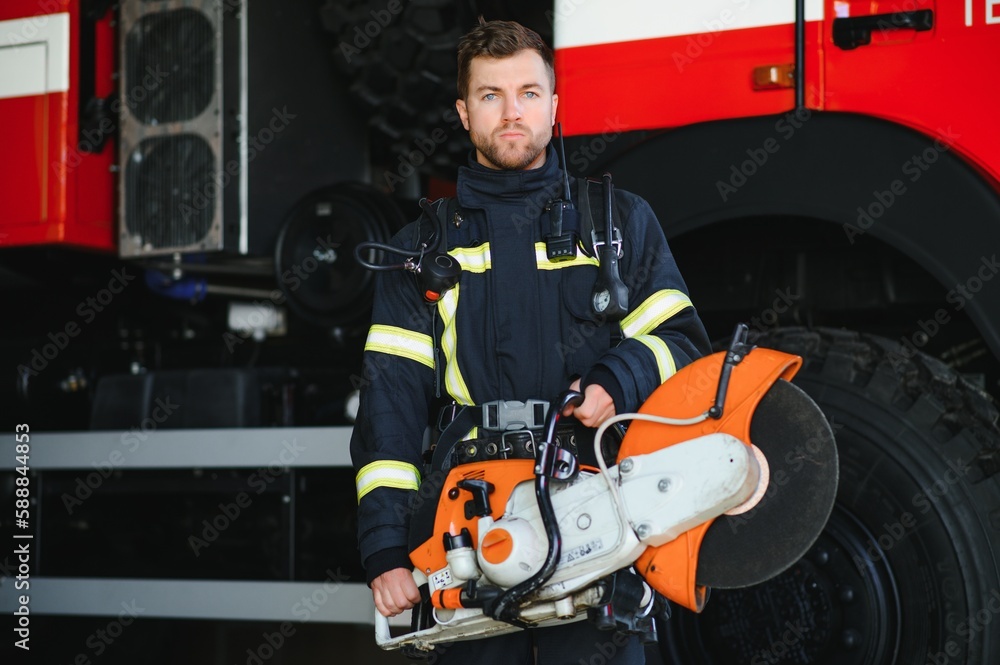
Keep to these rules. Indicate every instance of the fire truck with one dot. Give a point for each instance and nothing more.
(184, 184)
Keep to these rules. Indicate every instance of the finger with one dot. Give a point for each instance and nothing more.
(570, 408)
(412, 594)
(599, 419)
(405, 588)
(379, 605)
(400, 600)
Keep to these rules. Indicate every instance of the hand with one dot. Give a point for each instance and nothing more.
(597, 405)
(395, 591)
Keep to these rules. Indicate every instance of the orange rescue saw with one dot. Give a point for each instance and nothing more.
(724, 478)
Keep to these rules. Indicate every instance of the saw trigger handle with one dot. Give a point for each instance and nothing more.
(738, 349)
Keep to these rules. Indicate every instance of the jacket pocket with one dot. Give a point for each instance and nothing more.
(586, 334)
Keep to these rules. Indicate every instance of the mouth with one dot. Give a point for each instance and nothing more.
(512, 133)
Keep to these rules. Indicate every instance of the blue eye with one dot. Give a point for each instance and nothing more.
(531, 95)
(489, 96)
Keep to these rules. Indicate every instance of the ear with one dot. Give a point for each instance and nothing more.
(463, 112)
(555, 105)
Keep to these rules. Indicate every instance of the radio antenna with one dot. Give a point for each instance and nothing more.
(562, 156)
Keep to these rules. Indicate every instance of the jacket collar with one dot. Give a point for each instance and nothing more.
(481, 187)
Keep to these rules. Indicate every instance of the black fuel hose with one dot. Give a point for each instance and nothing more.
(506, 606)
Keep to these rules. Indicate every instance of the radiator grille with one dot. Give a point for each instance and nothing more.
(171, 149)
(170, 58)
(172, 191)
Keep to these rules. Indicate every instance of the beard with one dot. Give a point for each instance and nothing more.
(510, 155)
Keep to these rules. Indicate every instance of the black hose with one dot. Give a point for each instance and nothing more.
(506, 606)
(409, 253)
(365, 246)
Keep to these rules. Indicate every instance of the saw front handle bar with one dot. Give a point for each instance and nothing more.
(551, 461)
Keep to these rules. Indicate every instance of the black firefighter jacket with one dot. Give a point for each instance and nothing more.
(516, 327)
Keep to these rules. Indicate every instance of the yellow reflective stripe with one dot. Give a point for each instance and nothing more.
(385, 473)
(401, 342)
(664, 359)
(543, 263)
(453, 381)
(656, 309)
(473, 259)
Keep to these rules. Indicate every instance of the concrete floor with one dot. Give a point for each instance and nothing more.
(85, 641)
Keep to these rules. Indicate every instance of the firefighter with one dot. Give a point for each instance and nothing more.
(516, 326)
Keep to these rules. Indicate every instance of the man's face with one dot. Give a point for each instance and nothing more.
(510, 110)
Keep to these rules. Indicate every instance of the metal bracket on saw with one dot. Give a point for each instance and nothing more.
(738, 349)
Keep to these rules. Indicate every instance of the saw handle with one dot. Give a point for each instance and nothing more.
(570, 397)
(506, 606)
(382, 634)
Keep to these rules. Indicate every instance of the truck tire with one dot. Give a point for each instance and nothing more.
(400, 62)
(401, 68)
(906, 570)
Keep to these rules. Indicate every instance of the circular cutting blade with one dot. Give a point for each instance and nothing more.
(797, 441)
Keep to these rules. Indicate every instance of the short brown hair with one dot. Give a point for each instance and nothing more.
(499, 39)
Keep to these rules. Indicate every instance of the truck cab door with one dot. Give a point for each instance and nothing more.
(922, 63)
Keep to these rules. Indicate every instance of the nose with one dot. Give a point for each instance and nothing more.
(511, 109)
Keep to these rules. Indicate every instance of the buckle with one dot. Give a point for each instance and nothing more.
(510, 444)
(529, 445)
(616, 241)
(500, 415)
(446, 415)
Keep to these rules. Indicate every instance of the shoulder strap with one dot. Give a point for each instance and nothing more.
(591, 206)
(447, 210)
(467, 418)
(586, 215)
